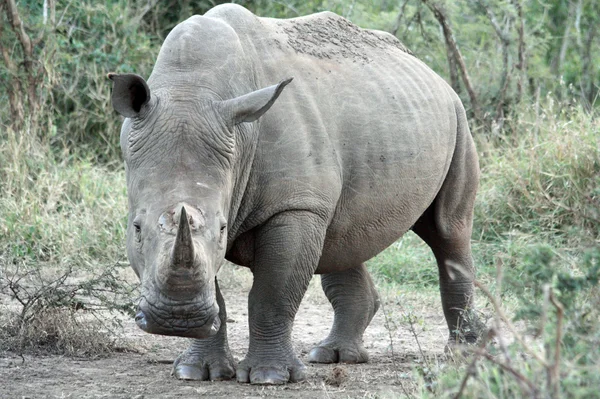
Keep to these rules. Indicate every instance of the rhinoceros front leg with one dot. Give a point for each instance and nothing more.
(287, 250)
(210, 358)
(355, 302)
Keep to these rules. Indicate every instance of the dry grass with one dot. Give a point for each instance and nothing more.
(58, 331)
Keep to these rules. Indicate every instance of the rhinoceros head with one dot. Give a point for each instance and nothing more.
(180, 155)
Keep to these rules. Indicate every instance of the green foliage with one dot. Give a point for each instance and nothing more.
(546, 184)
(100, 37)
(540, 268)
(561, 357)
(62, 209)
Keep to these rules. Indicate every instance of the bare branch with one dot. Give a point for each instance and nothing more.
(555, 368)
(389, 330)
(521, 65)
(502, 33)
(451, 42)
(472, 368)
(19, 29)
(149, 6)
(394, 30)
(520, 377)
(559, 61)
(504, 36)
(508, 323)
(14, 88)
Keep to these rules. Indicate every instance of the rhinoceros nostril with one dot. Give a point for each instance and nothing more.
(140, 320)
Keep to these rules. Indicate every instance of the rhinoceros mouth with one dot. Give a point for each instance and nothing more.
(190, 320)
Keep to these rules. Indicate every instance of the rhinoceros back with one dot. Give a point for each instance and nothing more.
(365, 125)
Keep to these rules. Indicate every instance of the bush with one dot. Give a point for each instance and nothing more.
(559, 359)
(62, 315)
(543, 182)
(61, 249)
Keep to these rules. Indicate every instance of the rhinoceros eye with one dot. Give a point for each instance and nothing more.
(137, 227)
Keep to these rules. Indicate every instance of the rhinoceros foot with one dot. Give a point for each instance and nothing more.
(326, 353)
(192, 365)
(271, 373)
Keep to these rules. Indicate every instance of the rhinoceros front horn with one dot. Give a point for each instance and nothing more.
(183, 249)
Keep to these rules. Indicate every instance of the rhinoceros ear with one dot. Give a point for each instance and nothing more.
(130, 93)
(251, 106)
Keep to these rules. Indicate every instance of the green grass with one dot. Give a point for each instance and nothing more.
(408, 262)
(62, 252)
(537, 218)
(63, 212)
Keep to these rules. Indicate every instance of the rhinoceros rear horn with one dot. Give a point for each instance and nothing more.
(251, 106)
(130, 93)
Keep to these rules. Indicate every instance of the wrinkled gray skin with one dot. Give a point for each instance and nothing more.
(365, 144)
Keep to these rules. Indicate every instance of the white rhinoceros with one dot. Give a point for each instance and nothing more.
(365, 144)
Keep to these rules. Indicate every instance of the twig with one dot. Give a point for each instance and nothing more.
(399, 18)
(543, 319)
(472, 369)
(64, 12)
(506, 321)
(500, 312)
(414, 334)
(555, 368)
(441, 17)
(389, 330)
(504, 36)
(515, 373)
(521, 65)
(496, 328)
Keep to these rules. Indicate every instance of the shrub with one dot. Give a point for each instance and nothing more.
(61, 249)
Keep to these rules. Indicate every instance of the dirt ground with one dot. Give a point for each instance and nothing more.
(146, 372)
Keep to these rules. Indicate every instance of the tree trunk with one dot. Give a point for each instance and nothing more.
(522, 63)
(588, 92)
(13, 84)
(452, 67)
(451, 43)
(505, 40)
(557, 65)
(33, 74)
(396, 27)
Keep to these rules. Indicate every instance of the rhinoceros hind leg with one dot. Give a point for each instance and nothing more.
(355, 302)
(210, 358)
(456, 271)
(446, 227)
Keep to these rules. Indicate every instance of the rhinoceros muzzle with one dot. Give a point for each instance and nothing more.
(189, 321)
(207, 330)
(180, 300)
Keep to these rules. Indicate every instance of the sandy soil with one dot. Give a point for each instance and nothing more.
(394, 353)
